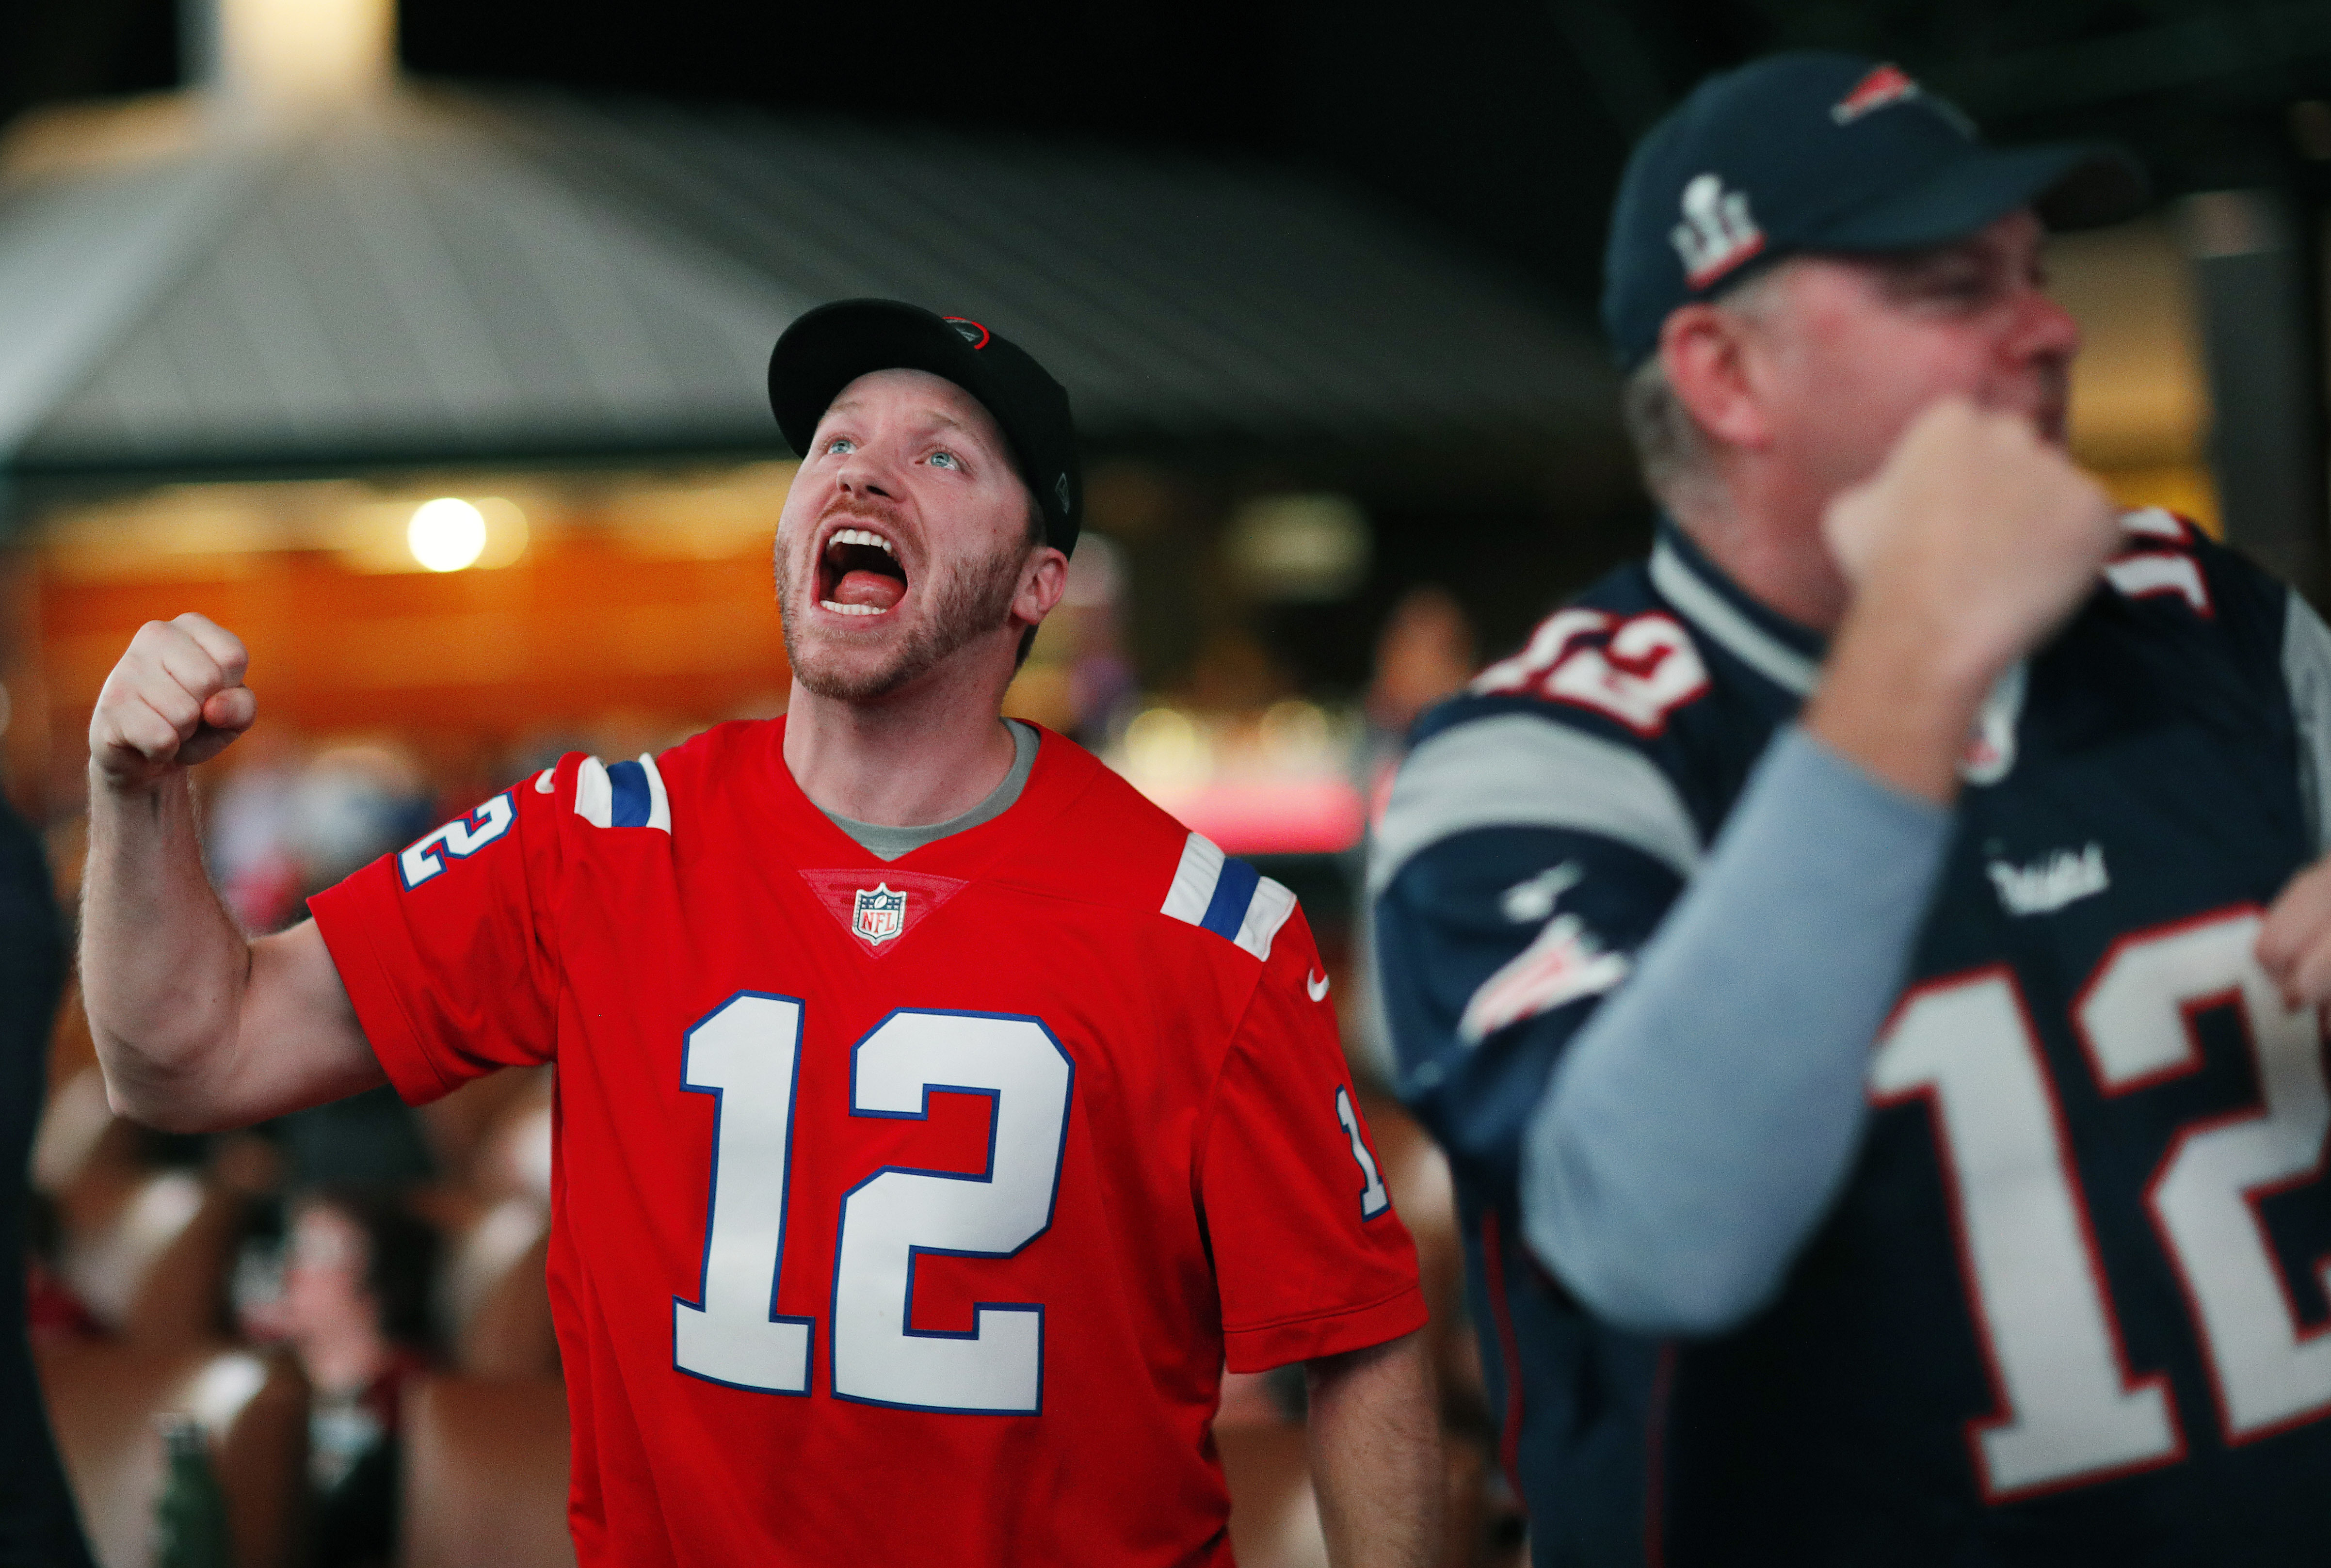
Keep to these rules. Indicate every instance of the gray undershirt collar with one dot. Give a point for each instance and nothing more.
(888, 843)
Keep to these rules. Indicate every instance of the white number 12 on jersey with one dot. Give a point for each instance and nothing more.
(2072, 1409)
(747, 1054)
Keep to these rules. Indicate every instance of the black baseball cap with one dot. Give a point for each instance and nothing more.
(1819, 151)
(826, 350)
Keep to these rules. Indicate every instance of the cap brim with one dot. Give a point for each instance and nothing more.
(826, 350)
(2071, 186)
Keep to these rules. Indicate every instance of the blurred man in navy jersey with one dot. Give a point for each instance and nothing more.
(1902, 734)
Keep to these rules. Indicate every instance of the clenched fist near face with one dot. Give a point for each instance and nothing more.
(1978, 531)
(176, 699)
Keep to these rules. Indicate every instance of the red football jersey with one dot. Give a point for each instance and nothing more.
(905, 1210)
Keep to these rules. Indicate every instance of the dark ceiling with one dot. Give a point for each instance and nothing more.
(1504, 121)
(1501, 124)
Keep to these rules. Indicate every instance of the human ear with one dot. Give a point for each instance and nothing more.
(1043, 580)
(1707, 353)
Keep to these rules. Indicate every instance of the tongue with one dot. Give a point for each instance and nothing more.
(869, 588)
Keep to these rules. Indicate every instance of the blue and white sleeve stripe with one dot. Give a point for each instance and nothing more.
(1227, 897)
(630, 794)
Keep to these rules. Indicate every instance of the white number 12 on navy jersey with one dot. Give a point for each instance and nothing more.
(2071, 1407)
(748, 1055)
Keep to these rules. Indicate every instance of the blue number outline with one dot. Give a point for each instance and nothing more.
(986, 1177)
(443, 832)
(785, 1195)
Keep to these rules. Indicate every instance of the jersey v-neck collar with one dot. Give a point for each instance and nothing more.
(1053, 782)
(1784, 653)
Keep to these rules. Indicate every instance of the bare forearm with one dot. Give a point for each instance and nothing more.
(1375, 1455)
(198, 1027)
(163, 965)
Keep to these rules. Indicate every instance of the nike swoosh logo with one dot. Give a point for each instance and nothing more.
(1317, 984)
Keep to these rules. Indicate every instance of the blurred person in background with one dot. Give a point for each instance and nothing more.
(358, 1273)
(280, 829)
(38, 1522)
(1026, 1105)
(54, 1313)
(247, 840)
(1103, 687)
(1902, 734)
(1425, 653)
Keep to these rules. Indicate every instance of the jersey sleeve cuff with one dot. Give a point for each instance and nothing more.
(1270, 1344)
(380, 1010)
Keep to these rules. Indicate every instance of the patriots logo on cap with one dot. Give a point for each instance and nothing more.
(878, 914)
(1717, 234)
(1886, 84)
(971, 332)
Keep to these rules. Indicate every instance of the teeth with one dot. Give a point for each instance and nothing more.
(863, 537)
(841, 609)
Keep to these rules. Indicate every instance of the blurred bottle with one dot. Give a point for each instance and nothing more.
(190, 1520)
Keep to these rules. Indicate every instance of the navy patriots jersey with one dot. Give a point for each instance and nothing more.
(2070, 1306)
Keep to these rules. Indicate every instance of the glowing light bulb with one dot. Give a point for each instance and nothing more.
(446, 534)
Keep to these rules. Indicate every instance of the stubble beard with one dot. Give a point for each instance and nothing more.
(964, 605)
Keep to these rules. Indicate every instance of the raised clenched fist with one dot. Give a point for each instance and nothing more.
(1978, 529)
(176, 699)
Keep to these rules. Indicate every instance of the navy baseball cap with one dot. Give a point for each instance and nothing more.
(826, 350)
(1817, 151)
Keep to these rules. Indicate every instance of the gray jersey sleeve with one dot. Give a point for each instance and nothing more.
(1703, 1120)
(2307, 670)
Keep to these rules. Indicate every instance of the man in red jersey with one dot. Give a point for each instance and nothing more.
(937, 1116)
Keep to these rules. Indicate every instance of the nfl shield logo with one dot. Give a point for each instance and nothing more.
(878, 914)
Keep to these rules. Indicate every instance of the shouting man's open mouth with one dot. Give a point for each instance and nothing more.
(858, 573)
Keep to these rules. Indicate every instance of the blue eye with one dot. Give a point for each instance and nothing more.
(946, 459)
(841, 444)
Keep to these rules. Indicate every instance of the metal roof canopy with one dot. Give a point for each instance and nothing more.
(439, 277)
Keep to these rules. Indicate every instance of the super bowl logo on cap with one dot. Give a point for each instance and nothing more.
(878, 914)
(1061, 488)
(972, 332)
(1886, 84)
(1717, 234)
